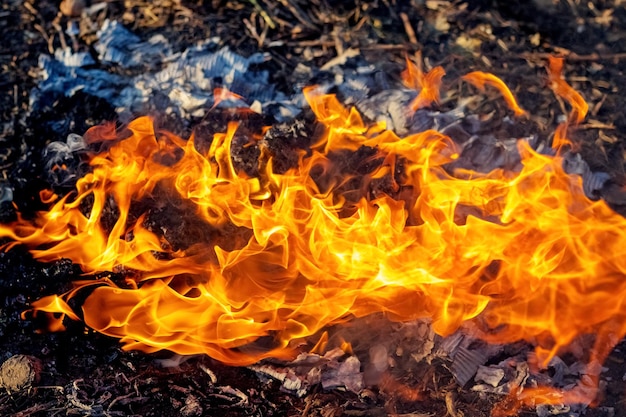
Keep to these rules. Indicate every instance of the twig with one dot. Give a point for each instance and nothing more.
(389, 47)
(260, 38)
(31, 9)
(598, 105)
(56, 24)
(119, 398)
(596, 125)
(312, 43)
(341, 59)
(450, 406)
(307, 407)
(35, 409)
(337, 40)
(360, 23)
(298, 14)
(263, 14)
(38, 27)
(574, 57)
(408, 28)
(47, 38)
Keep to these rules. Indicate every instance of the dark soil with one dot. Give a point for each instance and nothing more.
(84, 373)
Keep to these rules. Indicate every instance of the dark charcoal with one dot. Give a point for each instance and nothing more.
(285, 141)
(7, 212)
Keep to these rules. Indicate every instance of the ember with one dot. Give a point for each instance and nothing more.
(522, 253)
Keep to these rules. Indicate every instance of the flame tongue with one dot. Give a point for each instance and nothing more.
(526, 252)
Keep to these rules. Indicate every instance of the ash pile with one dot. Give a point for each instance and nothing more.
(136, 77)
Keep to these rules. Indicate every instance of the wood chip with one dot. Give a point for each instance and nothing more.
(20, 372)
(72, 8)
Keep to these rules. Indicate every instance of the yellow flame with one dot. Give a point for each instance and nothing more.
(524, 252)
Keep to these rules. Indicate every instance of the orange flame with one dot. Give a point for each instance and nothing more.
(562, 89)
(524, 252)
(427, 85)
(479, 79)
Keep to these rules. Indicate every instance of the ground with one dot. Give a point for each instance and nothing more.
(83, 373)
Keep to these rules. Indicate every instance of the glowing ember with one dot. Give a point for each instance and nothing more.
(524, 252)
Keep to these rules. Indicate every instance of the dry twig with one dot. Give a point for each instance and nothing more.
(263, 14)
(298, 14)
(408, 28)
(35, 409)
(574, 57)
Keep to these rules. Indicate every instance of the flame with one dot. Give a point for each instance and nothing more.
(562, 89)
(479, 79)
(524, 254)
(427, 85)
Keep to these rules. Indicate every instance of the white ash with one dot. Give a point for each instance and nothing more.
(560, 369)
(586, 391)
(309, 369)
(175, 361)
(118, 45)
(424, 119)
(344, 374)
(391, 107)
(64, 161)
(73, 59)
(491, 375)
(463, 352)
(60, 76)
(516, 375)
(484, 153)
(391, 346)
(192, 407)
(555, 410)
(379, 358)
(181, 83)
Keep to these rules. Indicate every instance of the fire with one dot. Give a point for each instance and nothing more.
(524, 254)
(427, 84)
(564, 90)
(480, 79)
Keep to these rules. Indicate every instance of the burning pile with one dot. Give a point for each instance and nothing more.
(284, 253)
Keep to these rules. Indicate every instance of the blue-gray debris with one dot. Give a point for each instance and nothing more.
(75, 142)
(593, 182)
(117, 45)
(73, 59)
(58, 78)
(6, 193)
(391, 107)
(179, 83)
(63, 160)
(183, 84)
